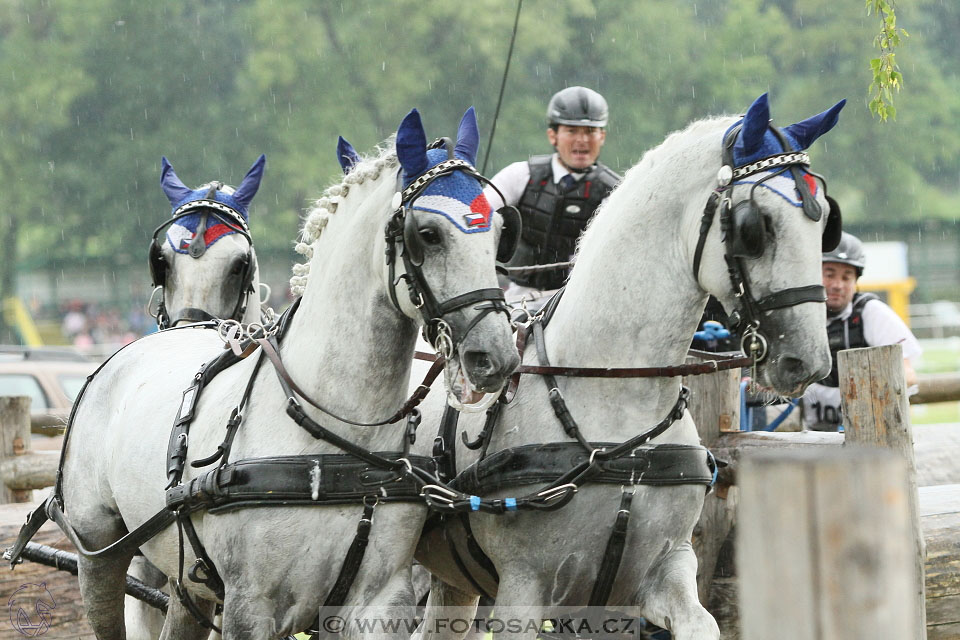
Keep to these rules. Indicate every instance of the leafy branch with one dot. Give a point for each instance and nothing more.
(886, 74)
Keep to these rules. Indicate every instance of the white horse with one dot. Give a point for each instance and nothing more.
(203, 266)
(633, 300)
(202, 260)
(348, 347)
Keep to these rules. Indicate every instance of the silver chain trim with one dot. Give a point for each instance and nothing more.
(780, 160)
(213, 204)
(444, 167)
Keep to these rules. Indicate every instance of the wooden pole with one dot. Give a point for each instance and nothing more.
(715, 408)
(14, 440)
(876, 412)
(824, 548)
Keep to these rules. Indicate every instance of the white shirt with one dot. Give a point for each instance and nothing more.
(881, 326)
(512, 181)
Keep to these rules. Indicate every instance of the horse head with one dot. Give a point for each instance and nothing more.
(774, 221)
(205, 261)
(441, 251)
(449, 237)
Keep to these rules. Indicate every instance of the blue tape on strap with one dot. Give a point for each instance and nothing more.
(510, 504)
(716, 468)
(475, 503)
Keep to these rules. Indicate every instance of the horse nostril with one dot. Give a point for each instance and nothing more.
(479, 362)
(796, 371)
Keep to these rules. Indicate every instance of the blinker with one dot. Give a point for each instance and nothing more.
(412, 240)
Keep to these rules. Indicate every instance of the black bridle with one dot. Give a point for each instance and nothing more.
(743, 232)
(158, 265)
(401, 229)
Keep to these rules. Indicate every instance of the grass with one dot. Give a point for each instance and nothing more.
(939, 356)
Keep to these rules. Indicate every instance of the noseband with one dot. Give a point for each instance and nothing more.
(401, 231)
(158, 265)
(742, 232)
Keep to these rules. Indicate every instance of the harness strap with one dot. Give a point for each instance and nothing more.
(792, 297)
(658, 465)
(128, 544)
(182, 594)
(709, 211)
(351, 563)
(290, 387)
(613, 554)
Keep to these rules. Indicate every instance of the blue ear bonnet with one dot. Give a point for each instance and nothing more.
(755, 140)
(457, 197)
(218, 196)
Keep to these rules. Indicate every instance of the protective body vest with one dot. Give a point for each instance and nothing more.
(847, 334)
(553, 221)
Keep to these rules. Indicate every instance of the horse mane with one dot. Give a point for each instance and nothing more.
(675, 150)
(368, 169)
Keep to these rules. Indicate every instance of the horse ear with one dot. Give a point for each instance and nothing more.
(251, 183)
(347, 155)
(172, 186)
(412, 145)
(807, 131)
(468, 137)
(754, 128)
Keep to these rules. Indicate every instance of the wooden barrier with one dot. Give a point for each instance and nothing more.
(14, 440)
(875, 410)
(814, 566)
(21, 469)
(715, 409)
(939, 508)
(938, 387)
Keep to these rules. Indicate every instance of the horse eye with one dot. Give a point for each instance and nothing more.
(236, 268)
(430, 236)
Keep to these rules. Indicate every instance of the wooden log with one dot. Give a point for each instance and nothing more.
(14, 440)
(940, 517)
(810, 559)
(715, 408)
(940, 521)
(30, 471)
(937, 387)
(876, 412)
(714, 403)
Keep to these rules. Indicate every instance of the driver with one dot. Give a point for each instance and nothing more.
(853, 320)
(557, 194)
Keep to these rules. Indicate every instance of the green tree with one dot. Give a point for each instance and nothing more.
(39, 79)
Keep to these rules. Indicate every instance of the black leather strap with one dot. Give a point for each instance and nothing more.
(659, 465)
(314, 479)
(351, 563)
(793, 297)
(613, 554)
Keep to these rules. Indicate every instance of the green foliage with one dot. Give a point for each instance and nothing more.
(887, 78)
(93, 93)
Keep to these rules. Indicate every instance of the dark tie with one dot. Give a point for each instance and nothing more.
(567, 183)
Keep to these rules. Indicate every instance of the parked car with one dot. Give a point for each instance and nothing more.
(51, 376)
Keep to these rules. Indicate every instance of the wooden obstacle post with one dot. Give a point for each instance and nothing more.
(14, 440)
(824, 548)
(876, 412)
(715, 408)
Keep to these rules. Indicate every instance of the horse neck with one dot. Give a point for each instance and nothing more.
(632, 300)
(347, 346)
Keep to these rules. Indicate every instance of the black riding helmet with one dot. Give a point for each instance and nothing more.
(849, 251)
(577, 107)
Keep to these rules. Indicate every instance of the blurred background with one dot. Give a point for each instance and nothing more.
(93, 93)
